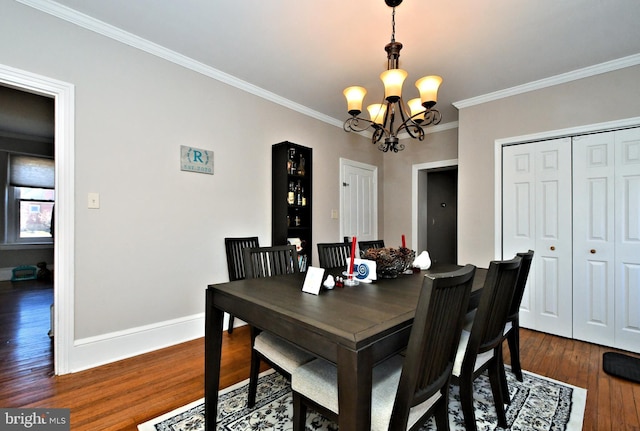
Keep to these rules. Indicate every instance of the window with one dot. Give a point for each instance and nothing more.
(36, 212)
(31, 198)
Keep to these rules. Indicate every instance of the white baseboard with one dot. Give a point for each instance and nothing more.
(6, 274)
(103, 349)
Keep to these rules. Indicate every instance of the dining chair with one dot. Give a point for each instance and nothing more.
(480, 348)
(235, 261)
(512, 327)
(269, 261)
(280, 354)
(406, 389)
(334, 254)
(366, 245)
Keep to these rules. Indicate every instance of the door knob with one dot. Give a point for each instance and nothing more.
(552, 248)
(592, 251)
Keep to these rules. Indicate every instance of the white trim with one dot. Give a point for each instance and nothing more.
(522, 139)
(414, 192)
(609, 66)
(103, 349)
(64, 251)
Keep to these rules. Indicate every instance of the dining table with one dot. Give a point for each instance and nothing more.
(353, 327)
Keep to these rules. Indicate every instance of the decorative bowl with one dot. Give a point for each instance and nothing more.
(390, 262)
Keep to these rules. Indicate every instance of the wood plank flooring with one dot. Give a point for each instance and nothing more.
(123, 394)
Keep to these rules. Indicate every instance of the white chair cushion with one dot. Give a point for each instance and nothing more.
(318, 381)
(281, 352)
(508, 327)
(481, 359)
(468, 320)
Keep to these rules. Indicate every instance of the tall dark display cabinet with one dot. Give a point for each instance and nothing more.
(292, 198)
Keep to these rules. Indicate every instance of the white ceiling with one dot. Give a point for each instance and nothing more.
(309, 51)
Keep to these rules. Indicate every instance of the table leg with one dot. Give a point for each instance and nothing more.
(212, 352)
(354, 389)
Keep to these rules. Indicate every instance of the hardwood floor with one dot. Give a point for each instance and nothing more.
(123, 394)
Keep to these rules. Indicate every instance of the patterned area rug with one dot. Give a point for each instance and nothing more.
(537, 404)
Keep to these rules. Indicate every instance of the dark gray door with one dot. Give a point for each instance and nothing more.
(442, 215)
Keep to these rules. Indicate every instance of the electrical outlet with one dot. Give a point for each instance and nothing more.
(334, 214)
(94, 201)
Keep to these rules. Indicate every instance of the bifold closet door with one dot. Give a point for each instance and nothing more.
(594, 238)
(627, 234)
(606, 231)
(537, 215)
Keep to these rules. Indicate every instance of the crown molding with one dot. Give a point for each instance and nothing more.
(609, 66)
(67, 14)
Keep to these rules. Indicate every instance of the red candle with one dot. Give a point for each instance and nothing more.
(353, 255)
(404, 243)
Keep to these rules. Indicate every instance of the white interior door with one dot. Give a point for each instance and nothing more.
(359, 200)
(537, 216)
(593, 236)
(627, 234)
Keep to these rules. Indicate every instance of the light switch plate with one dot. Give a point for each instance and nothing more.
(94, 201)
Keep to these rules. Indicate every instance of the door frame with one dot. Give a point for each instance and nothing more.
(523, 139)
(373, 168)
(415, 202)
(63, 250)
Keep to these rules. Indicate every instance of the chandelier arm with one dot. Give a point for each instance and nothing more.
(353, 124)
(413, 128)
(432, 116)
(378, 133)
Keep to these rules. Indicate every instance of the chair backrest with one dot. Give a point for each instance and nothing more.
(491, 315)
(235, 255)
(366, 245)
(433, 342)
(334, 255)
(269, 261)
(521, 283)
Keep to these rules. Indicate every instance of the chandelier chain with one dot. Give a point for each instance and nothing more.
(393, 25)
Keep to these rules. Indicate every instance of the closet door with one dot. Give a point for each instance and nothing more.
(593, 236)
(627, 237)
(519, 218)
(537, 216)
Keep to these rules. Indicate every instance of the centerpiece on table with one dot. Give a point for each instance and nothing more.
(390, 262)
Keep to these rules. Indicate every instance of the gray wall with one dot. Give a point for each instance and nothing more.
(606, 97)
(147, 255)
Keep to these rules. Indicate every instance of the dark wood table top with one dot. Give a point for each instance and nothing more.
(351, 316)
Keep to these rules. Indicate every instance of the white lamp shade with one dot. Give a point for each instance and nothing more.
(354, 96)
(376, 112)
(428, 88)
(393, 80)
(415, 106)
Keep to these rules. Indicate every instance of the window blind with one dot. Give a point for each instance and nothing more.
(30, 171)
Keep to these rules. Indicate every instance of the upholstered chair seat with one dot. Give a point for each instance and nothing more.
(318, 380)
(281, 352)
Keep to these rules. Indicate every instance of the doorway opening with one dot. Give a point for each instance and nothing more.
(63, 275)
(435, 210)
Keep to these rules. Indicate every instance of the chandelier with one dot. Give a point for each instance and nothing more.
(392, 116)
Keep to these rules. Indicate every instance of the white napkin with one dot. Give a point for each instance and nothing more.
(423, 261)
